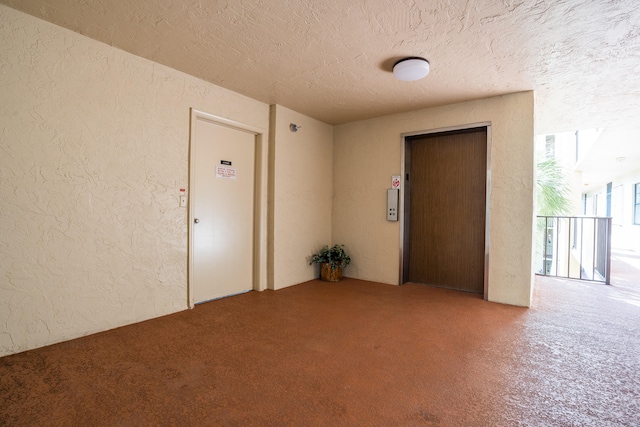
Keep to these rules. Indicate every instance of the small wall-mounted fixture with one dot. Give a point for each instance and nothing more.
(294, 127)
(410, 69)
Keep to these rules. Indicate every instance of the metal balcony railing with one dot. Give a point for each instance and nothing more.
(575, 247)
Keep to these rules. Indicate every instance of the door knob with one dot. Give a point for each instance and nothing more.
(196, 220)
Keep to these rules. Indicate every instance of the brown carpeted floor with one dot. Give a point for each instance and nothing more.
(352, 353)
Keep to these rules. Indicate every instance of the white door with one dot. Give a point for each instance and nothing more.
(222, 210)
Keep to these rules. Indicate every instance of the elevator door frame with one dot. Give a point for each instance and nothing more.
(405, 200)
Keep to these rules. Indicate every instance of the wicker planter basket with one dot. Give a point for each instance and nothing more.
(329, 275)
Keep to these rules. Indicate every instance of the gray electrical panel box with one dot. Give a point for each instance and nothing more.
(392, 204)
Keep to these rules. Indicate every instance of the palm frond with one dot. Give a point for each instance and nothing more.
(553, 192)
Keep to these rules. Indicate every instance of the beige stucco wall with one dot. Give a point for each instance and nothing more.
(367, 153)
(93, 153)
(301, 195)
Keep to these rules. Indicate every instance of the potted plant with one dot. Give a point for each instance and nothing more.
(332, 260)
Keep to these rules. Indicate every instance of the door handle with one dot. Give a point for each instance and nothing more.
(196, 220)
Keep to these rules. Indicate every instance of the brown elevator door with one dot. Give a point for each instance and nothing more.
(448, 209)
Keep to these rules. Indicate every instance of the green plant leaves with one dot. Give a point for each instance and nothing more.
(553, 189)
(334, 256)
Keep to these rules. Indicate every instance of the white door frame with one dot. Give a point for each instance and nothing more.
(260, 199)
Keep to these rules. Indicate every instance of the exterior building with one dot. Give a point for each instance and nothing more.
(602, 168)
(619, 199)
(611, 184)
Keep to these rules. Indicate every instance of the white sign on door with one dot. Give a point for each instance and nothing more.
(225, 172)
(396, 180)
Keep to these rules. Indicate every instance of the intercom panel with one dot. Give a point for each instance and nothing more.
(392, 204)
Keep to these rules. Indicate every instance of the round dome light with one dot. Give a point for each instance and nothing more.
(410, 69)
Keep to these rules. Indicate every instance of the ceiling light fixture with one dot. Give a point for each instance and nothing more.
(410, 69)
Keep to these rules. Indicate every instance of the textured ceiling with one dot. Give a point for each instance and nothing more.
(332, 59)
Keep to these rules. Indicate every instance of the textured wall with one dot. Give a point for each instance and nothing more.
(301, 180)
(93, 152)
(367, 153)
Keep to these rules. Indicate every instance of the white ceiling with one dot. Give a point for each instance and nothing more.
(332, 59)
(615, 153)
